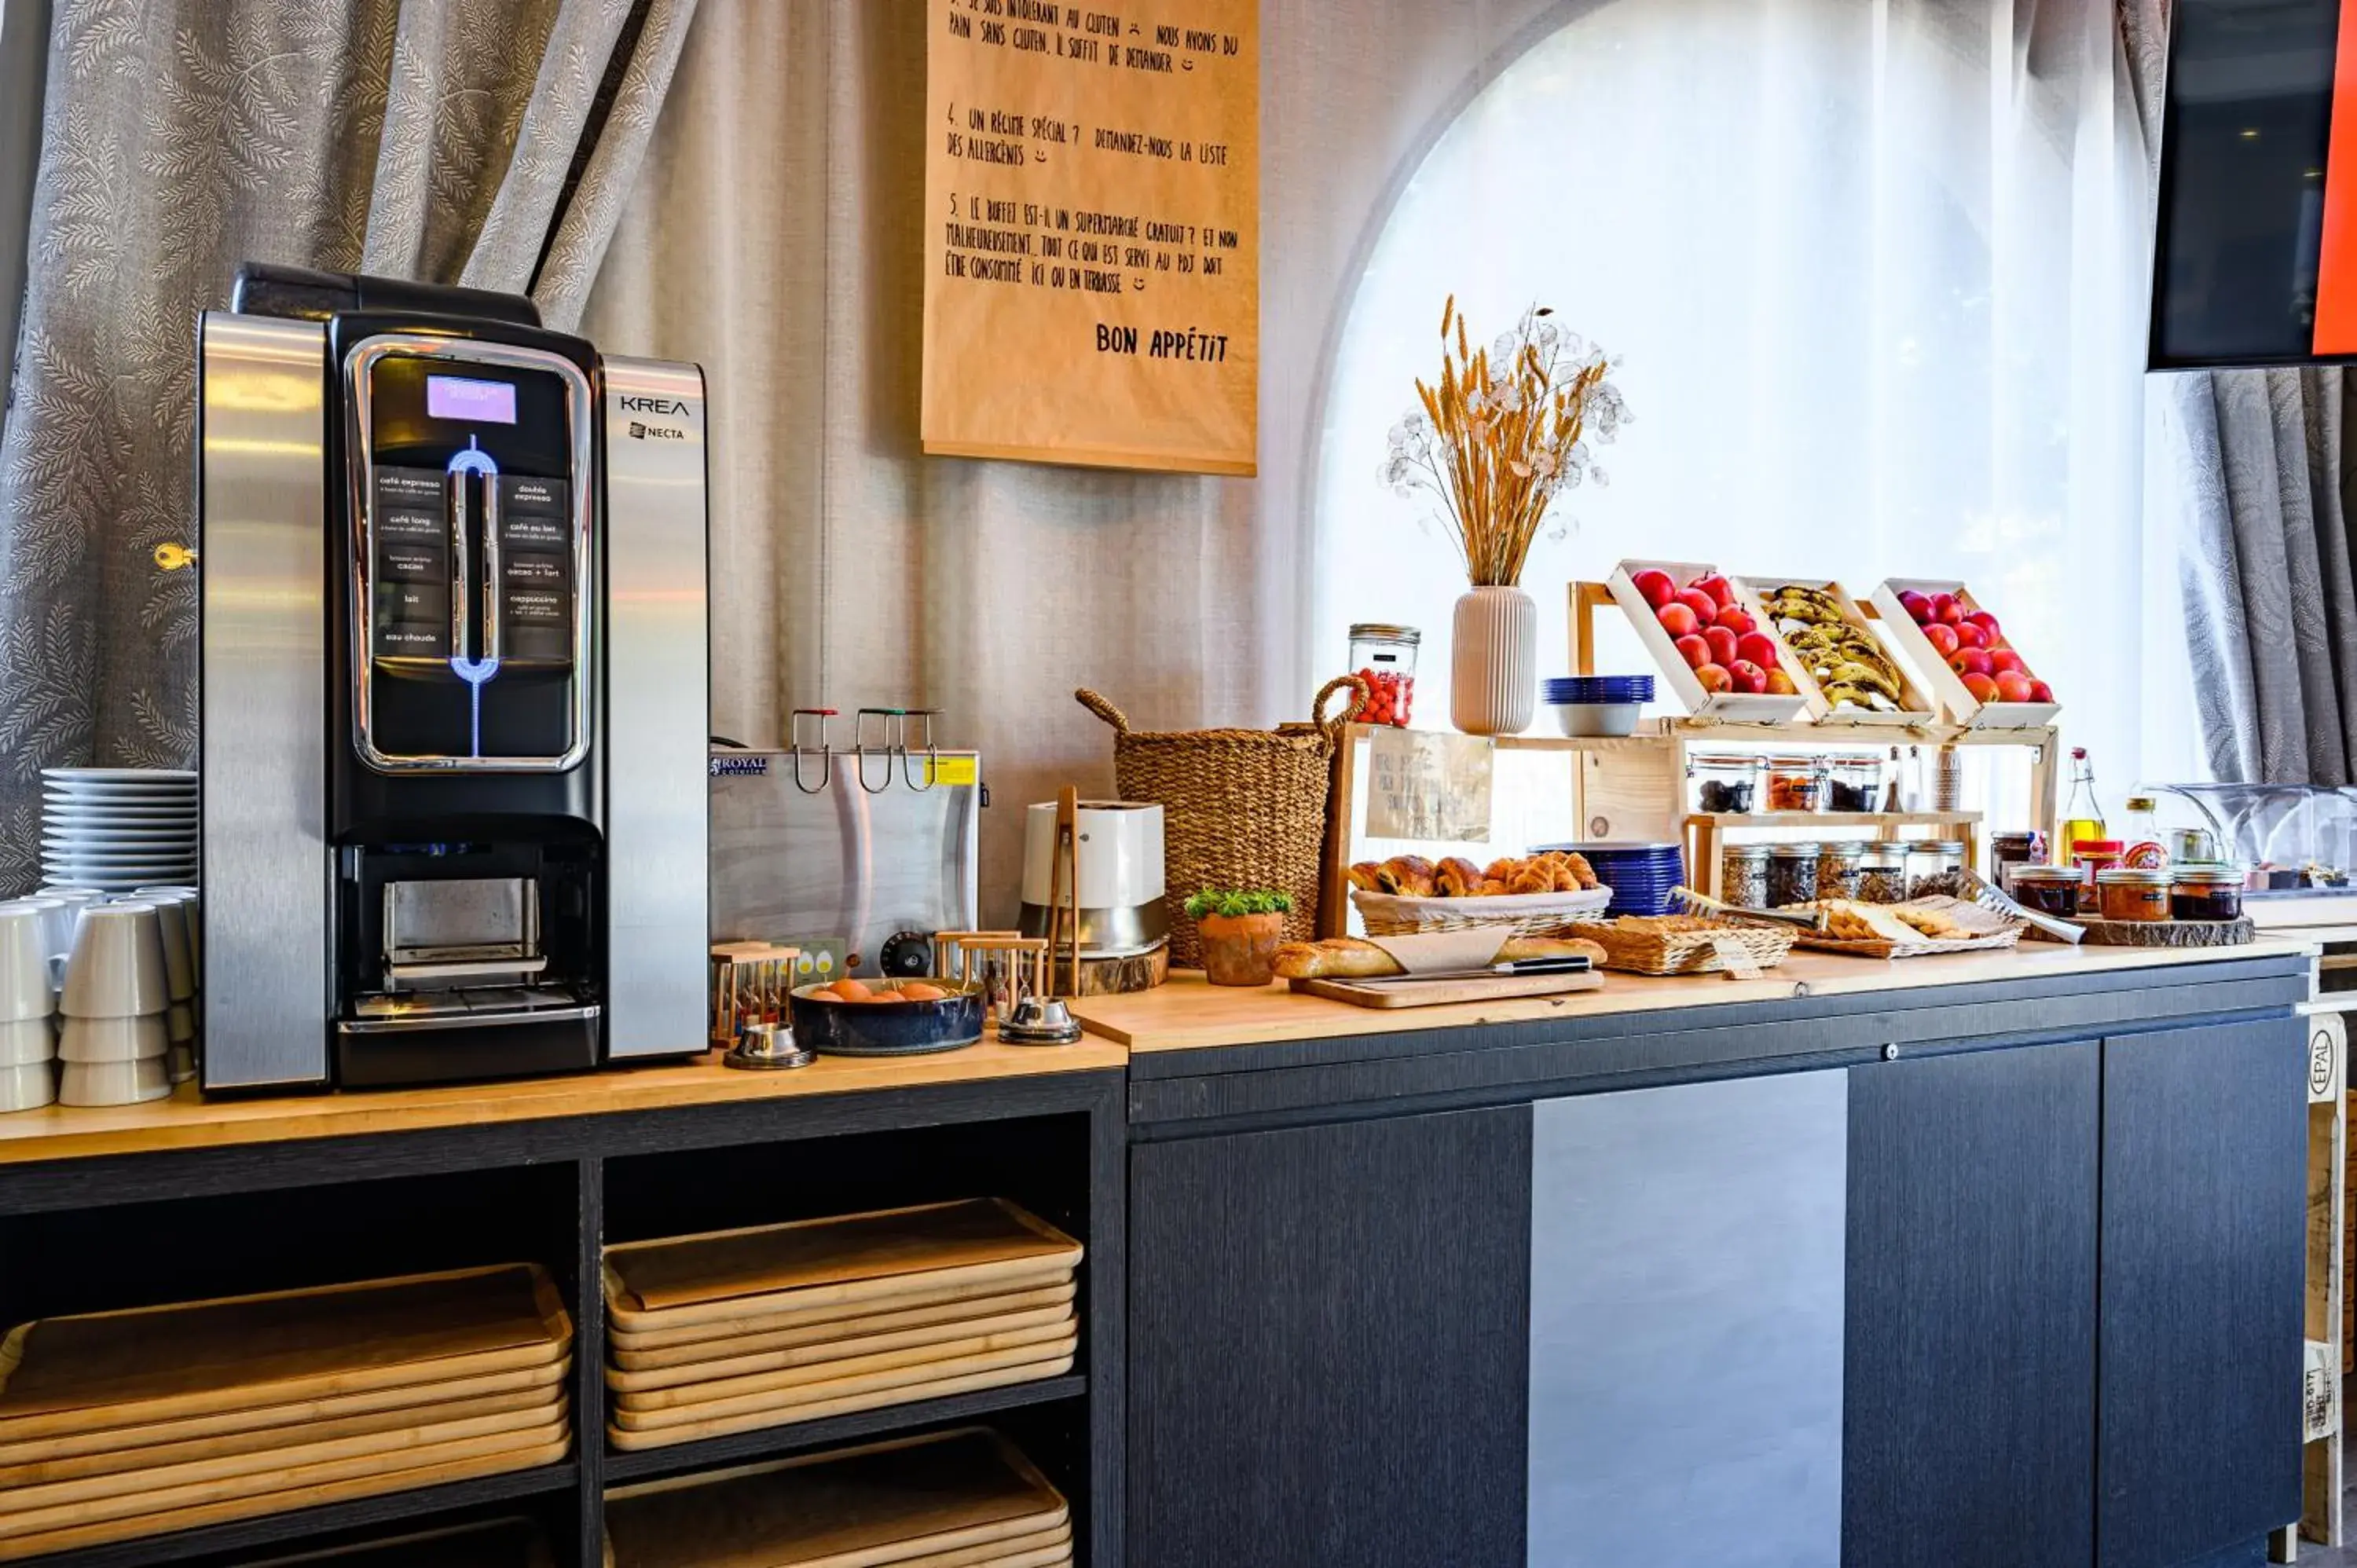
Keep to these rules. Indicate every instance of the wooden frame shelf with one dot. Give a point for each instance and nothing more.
(1833, 819)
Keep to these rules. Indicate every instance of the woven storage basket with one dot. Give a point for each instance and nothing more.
(1639, 951)
(1241, 809)
(1523, 913)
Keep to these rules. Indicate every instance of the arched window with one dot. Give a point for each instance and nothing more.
(1877, 271)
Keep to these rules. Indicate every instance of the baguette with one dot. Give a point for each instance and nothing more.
(1347, 958)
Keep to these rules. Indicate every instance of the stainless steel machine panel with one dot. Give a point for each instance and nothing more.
(827, 857)
(262, 557)
(658, 707)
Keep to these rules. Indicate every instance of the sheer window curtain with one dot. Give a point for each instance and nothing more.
(1876, 269)
(443, 142)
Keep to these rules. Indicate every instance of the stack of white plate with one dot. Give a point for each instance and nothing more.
(115, 829)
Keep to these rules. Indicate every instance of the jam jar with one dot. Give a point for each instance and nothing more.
(1840, 869)
(2007, 852)
(2049, 889)
(1743, 876)
(1935, 867)
(1882, 875)
(2132, 893)
(2092, 858)
(1385, 658)
(2206, 893)
(1791, 875)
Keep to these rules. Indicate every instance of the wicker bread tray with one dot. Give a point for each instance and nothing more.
(1991, 931)
(1513, 914)
(1681, 945)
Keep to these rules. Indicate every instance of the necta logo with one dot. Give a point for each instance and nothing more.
(632, 403)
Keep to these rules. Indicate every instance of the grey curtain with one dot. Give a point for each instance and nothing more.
(485, 142)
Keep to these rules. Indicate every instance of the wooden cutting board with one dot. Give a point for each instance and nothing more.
(1036, 1550)
(699, 1339)
(690, 1279)
(863, 1507)
(673, 1407)
(1438, 993)
(114, 1369)
(787, 1414)
(267, 1422)
(56, 1512)
(312, 1494)
(930, 1342)
(757, 1341)
(276, 1446)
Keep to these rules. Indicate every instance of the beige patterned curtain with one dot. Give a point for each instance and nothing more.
(484, 142)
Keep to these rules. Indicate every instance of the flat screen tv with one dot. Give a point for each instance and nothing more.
(2255, 260)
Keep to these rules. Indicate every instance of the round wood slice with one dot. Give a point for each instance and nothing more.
(2169, 933)
(1119, 976)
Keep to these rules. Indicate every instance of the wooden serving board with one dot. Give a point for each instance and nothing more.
(114, 1369)
(860, 1508)
(292, 1453)
(787, 1414)
(311, 1494)
(673, 1407)
(1438, 993)
(702, 1341)
(1041, 1549)
(270, 1423)
(759, 1341)
(855, 1257)
(931, 1340)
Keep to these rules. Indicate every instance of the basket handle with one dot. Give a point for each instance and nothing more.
(1103, 709)
(1331, 729)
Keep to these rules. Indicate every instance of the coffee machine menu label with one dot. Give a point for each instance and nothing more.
(522, 493)
(1092, 242)
(535, 568)
(412, 570)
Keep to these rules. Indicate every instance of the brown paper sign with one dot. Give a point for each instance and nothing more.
(1429, 786)
(1092, 232)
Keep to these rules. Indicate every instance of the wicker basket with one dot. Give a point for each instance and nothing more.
(1240, 809)
(1520, 914)
(1639, 951)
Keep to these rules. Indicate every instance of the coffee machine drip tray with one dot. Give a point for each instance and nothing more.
(459, 1007)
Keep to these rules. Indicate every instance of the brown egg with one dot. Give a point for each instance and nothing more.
(918, 991)
(852, 991)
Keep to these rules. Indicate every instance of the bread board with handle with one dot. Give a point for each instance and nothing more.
(788, 1413)
(811, 1361)
(107, 1370)
(1413, 992)
(676, 1407)
(758, 1336)
(685, 1280)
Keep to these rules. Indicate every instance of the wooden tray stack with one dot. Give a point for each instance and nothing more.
(740, 1329)
(130, 1424)
(962, 1498)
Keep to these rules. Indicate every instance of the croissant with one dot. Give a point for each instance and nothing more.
(1458, 877)
(1494, 887)
(1363, 876)
(1502, 869)
(1533, 879)
(1407, 875)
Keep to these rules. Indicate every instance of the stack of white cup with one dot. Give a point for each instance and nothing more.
(28, 997)
(176, 912)
(117, 990)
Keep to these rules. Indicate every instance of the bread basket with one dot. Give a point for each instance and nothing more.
(1519, 914)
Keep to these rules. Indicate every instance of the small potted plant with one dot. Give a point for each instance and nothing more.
(1240, 931)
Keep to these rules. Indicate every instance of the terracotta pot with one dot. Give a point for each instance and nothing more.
(1493, 662)
(1240, 950)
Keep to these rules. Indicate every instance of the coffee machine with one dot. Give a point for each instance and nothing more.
(454, 689)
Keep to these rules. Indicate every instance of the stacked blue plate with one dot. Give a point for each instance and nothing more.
(1641, 875)
(1600, 689)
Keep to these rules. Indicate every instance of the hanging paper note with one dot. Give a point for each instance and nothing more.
(1428, 786)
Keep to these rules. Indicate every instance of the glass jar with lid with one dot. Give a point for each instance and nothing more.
(1726, 785)
(1882, 875)
(2134, 893)
(1798, 784)
(1935, 867)
(1743, 876)
(1384, 656)
(2008, 852)
(2206, 892)
(1857, 785)
(1791, 875)
(2049, 889)
(1840, 869)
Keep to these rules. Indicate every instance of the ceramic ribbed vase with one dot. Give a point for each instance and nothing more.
(1493, 658)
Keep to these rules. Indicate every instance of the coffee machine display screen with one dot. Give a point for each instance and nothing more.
(478, 401)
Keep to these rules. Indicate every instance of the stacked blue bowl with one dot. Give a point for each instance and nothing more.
(1641, 875)
(1591, 705)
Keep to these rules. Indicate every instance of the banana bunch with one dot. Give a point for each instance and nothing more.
(1850, 667)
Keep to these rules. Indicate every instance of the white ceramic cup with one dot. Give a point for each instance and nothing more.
(25, 1042)
(24, 974)
(180, 1023)
(180, 1063)
(116, 970)
(114, 1083)
(112, 1041)
(192, 917)
(179, 964)
(28, 1088)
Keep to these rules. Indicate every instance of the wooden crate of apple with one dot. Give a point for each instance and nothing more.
(1973, 645)
(1719, 639)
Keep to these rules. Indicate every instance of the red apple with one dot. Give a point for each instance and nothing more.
(1969, 662)
(1704, 608)
(1918, 607)
(1722, 644)
(1735, 619)
(1942, 639)
(1757, 648)
(1954, 614)
(1749, 677)
(2013, 686)
(1969, 636)
(2003, 659)
(1655, 586)
(2040, 691)
(1694, 651)
(1679, 620)
(1982, 687)
(1987, 623)
(1941, 605)
(1720, 590)
(1714, 678)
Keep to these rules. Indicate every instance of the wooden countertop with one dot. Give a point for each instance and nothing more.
(1188, 1014)
(186, 1121)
